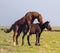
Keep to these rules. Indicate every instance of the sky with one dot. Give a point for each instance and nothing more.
(12, 10)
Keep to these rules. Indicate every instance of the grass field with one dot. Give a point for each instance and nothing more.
(50, 43)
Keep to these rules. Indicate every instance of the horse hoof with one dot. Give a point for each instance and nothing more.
(22, 44)
(36, 44)
(14, 44)
(29, 44)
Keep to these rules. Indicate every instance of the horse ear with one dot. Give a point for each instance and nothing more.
(48, 22)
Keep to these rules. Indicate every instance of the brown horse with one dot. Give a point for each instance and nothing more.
(35, 29)
(31, 16)
(27, 19)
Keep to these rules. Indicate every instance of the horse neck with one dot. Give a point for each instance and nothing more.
(42, 27)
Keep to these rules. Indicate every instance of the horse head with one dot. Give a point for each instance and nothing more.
(48, 26)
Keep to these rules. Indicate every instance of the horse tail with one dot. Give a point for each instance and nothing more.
(8, 30)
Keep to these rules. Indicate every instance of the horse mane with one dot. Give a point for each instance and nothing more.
(42, 26)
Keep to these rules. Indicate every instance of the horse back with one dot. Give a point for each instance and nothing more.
(20, 21)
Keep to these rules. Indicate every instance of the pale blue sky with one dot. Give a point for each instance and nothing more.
(12, 10)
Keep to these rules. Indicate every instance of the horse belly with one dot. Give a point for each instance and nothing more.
(32, 31)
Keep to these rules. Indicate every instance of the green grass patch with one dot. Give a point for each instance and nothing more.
(50, 43)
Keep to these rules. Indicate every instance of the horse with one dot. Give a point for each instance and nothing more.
(17, 28)
(19, 24)
(35, 29)
(31, 16)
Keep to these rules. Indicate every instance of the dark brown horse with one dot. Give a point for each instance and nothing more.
(17, 28)
(27, 19)
(35, 29)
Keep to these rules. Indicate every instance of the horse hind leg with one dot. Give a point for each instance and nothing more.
(15, 34)
(18, 34)
(14, 38)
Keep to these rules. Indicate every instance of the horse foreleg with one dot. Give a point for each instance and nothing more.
(36, 40)
(28, 32)
(28, 40)
(29, 23)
